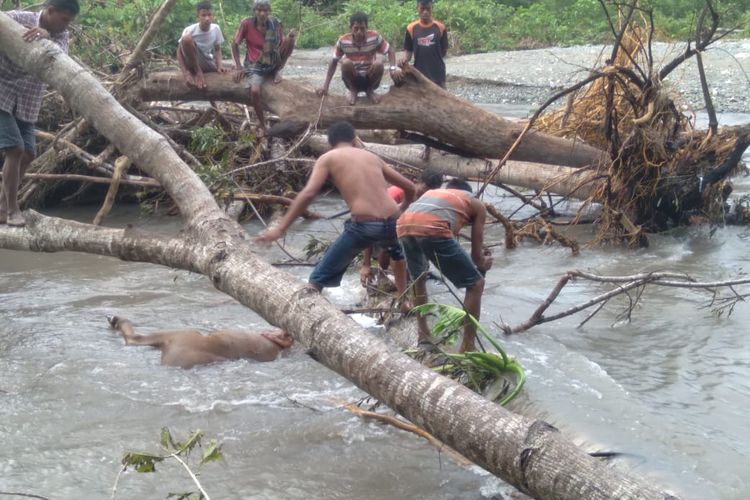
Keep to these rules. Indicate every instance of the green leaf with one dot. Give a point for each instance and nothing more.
(212, 453)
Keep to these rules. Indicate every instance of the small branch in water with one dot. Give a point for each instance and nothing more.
(623, 284)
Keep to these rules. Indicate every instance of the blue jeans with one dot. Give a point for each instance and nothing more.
(450, 259)
(356, 237)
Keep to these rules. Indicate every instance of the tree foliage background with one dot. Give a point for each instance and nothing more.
(107, 29)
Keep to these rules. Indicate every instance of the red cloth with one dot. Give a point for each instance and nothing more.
(253, 39)
(396, 193)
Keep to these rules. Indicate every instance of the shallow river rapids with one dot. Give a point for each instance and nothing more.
(670, 388)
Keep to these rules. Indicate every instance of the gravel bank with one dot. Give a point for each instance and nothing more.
(528, 77)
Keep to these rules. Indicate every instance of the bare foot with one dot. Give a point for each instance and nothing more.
(277, 78)
(352, 98)
(200, 81)
(189, 80)
(15, 219)
(373, 97)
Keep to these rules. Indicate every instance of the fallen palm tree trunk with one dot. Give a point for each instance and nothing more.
(565, 181)
(417, 105)
(529, 454)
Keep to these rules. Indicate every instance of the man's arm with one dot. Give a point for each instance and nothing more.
(478, 214)
(444, 43)
(299, 205)
(408, 48)
(218, 57)
(399, 180)
(396, 75)
(329, 76)
(238, 37)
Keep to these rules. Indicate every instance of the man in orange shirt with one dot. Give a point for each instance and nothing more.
(426, 39)
(427, 231)
(360, 69)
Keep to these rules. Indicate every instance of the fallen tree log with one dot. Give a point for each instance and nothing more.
(565, 181)
(527, 453)
(417, 105)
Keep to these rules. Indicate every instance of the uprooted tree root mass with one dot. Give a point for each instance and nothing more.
(662, 171)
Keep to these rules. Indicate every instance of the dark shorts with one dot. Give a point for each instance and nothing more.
(361, 83)
(15, 133)
(446, 254)
(207, 64)
(356, 237)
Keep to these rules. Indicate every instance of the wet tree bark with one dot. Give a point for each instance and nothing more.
(566, 181)
(417, 105)
(527, 453)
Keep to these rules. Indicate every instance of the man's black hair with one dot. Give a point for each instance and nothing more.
(358, 17)
(459, 183)
(340, 132)
(68, 5)
(431, 178)
(203, 6)
(424, 2)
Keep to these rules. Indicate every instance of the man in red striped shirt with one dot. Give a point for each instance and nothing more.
(360, 69)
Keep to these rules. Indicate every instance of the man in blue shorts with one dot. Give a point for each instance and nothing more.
(428, 230)
(362, 179)
(21, 97)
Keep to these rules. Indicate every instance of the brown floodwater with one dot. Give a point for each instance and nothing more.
(670, 388)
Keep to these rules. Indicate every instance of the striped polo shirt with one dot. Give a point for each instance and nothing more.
(439, 213)
(361, 55)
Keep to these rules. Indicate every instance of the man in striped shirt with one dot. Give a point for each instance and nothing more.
(21, 97)
(360, 69)
(428, 231)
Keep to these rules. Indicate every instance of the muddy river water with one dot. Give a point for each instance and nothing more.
(670, 388)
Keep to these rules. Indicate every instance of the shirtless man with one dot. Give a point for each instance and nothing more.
(362, 179)
(187, 348)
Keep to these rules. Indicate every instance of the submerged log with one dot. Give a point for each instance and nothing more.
(417, 105)
(565, 181)
(528, 453)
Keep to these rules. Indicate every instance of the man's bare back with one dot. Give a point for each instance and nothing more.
(360, 177)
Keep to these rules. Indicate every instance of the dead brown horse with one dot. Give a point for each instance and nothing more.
(187, 348)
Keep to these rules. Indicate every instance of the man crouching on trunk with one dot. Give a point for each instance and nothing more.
(362, 179)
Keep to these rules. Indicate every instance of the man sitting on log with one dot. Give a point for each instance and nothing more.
(361, 178)
(199, 48)
(360, 69)
(21, 97)
(428, 231)
(267, 53)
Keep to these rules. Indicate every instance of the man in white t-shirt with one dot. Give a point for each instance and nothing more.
(199, 49)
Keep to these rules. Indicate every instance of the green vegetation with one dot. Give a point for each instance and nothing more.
(497, 375)
(108, 29)
(175, 450)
